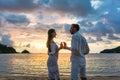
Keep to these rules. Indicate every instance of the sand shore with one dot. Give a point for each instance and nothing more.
(62, 77)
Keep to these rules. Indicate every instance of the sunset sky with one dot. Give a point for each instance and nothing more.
(24, 23)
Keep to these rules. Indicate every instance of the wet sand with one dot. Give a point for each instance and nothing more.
(62, 77)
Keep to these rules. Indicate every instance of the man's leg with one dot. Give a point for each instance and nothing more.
(74, 71)
(83, 78)
(51, 79)
(83, 73)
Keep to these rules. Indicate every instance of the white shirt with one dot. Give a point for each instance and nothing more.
(78, 44)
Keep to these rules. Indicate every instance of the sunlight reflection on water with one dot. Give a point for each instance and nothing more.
(35, 64)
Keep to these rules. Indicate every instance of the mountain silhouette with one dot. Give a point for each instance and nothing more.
(114, 50)
(6, 49)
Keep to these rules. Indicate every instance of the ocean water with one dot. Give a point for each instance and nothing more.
(35, 64)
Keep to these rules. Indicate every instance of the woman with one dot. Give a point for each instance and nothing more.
(53, 72)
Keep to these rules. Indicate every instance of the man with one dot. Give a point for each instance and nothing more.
(79, 48)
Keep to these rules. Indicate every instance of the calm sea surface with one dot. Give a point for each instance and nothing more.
(35, 64)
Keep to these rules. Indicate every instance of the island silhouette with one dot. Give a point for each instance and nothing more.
(4, 49)
(113, 50)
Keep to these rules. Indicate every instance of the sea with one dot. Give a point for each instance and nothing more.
(35, 64)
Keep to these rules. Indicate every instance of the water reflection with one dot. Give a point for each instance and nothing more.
(35, 64)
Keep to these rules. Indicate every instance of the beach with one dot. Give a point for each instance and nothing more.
(62, 77)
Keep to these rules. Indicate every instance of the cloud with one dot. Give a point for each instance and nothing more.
(114, 22)
(13, 20)
(91, 40)
(99, 38)
(18, 5)
(2, 20)
(27, 45)
(111, 36)
(5, 39)
(17, 19)
(105, 19)
(109, 11)
(76, 7)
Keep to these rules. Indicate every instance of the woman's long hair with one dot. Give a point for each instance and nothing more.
(50, 31)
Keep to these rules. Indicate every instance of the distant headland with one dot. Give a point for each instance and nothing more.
(113, 50)
(9, 50)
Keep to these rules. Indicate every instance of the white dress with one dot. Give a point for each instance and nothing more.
(52, 62)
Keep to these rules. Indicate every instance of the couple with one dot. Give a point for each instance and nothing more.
(79, 48)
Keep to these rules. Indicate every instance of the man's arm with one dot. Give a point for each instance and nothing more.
(74, 46)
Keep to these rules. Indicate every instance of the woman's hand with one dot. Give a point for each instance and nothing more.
(63, 45)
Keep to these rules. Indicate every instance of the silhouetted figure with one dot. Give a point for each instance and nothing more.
(79, 48)
(52, 62)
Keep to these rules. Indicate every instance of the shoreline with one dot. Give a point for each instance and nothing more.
(7, 77)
